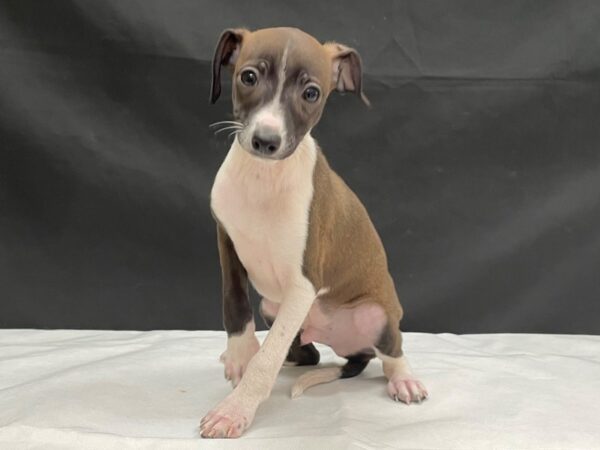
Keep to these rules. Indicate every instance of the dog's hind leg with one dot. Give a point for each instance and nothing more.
(298, 355)
(402, 385)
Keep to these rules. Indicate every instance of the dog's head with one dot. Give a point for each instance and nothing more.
(281, 80)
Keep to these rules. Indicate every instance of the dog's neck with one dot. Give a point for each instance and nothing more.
(272, 175)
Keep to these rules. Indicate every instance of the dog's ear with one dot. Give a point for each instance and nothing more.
(346, 69)
(226, 54)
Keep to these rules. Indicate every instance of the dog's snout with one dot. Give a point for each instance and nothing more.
(266, 140)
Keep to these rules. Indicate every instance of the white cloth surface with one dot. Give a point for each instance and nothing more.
(68, 389)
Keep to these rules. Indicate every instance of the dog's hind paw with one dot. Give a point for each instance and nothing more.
(406, 390)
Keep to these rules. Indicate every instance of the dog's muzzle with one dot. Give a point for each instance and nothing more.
(266, 140)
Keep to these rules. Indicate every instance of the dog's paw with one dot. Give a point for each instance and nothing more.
(228, 420)
(240, 350)
(406, 390)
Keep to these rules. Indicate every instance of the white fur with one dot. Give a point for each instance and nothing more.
(402, 385)
(264, 207)
(399, 365)
(240, 350)
(271, 115)
(236, 412)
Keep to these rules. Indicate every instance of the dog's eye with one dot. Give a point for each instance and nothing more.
(311, 94)
(249, 77)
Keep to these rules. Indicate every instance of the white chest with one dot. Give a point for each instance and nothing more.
(264, 207)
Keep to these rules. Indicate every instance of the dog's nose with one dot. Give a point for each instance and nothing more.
(266, 140)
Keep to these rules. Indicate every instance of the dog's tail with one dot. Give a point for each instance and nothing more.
(355, 365)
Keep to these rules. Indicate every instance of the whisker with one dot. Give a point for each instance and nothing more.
(236, 127)
(234, 132)
(224, 122)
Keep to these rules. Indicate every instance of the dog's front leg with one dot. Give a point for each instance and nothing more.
(242, 344)
(234, 414)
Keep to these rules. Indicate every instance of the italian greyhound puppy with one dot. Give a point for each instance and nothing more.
(287, 223)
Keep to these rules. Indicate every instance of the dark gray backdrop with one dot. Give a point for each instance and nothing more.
(479, 162)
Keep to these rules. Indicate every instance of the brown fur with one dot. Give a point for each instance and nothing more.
(345, 254)
(343, 257)
(329, 67)
(237, 311)
(344, 251)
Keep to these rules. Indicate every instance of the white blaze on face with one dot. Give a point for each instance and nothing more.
(271, 116)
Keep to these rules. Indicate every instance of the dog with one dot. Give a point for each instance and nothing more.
(287, 223)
